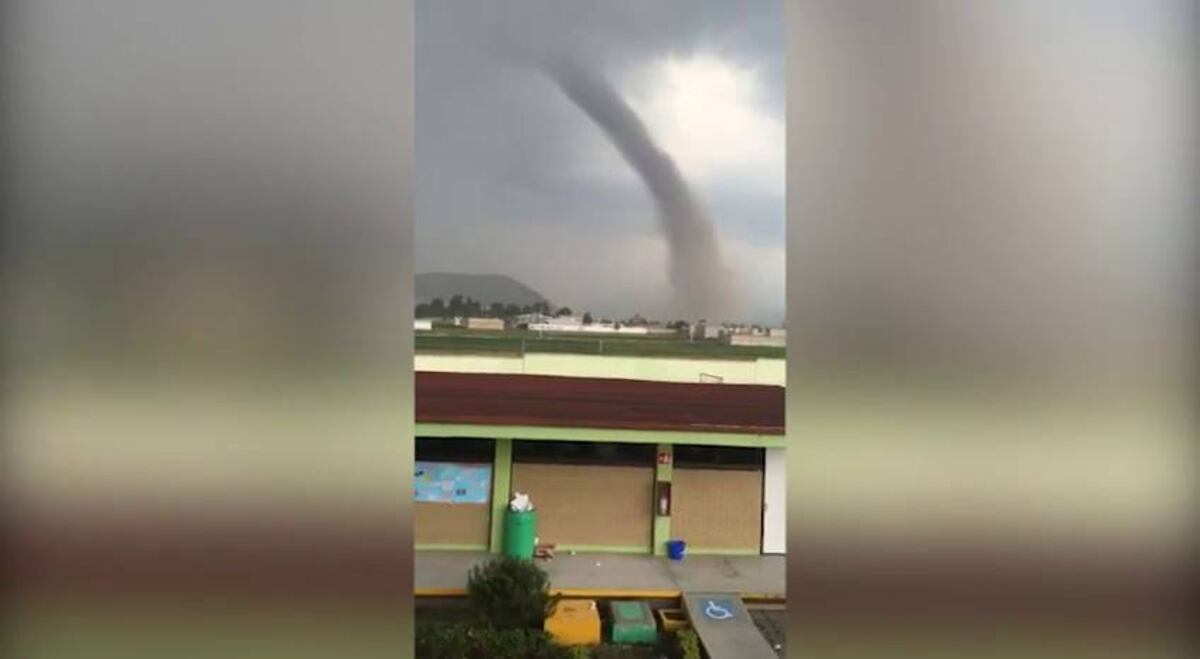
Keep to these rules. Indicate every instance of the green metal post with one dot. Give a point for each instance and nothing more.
(501, 479)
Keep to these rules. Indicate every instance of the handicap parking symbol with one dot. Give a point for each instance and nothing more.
(718, 609)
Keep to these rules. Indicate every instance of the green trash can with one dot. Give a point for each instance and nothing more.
(520, 532)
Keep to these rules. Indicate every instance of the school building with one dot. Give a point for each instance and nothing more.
(611, 465)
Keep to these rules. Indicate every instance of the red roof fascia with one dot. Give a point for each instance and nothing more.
(534, 400)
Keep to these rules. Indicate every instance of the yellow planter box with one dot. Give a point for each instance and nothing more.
(672, 620)
(574, 622)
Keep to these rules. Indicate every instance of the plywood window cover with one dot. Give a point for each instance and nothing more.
(451, 524)
(606, 506)
(705, 515)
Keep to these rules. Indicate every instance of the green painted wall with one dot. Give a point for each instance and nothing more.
(502, 486)
(667, 369)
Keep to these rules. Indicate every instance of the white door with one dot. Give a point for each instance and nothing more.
(774, 539)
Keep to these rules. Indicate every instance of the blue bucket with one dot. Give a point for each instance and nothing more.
(676, 549)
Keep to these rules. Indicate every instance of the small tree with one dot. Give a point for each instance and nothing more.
(440, 640)
(564, 311)
(509, 592)
(455, 307)
(472, 308)
(587, 318)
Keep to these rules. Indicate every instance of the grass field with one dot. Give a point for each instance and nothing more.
(523, 341)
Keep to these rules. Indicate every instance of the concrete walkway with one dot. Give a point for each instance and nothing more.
(759, 577)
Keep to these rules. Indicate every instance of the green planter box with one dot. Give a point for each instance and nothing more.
(632, 623)
(520, 533)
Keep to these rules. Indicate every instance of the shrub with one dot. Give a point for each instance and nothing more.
(689, 644)
(579, 652)
(668, 647)
(509, 593)
(462, 641)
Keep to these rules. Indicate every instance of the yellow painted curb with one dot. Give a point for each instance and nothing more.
(762, 597)
(583, 593)
(602, 593)
(439, 592)
(609, 593)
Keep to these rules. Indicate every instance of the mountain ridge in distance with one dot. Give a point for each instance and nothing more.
(485, 288)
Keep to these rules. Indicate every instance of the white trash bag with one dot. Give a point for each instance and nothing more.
(520, 503)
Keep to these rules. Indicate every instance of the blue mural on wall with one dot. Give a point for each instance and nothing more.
(450, 482)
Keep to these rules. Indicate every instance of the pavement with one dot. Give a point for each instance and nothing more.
(725, 627)
(773, 625)
(629, 575)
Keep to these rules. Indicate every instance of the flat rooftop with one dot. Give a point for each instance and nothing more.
(516, 341)
(536, 400)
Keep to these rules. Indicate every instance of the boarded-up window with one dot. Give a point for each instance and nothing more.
(452, 525)
(590, 505)
(464, 525)
(717, 509)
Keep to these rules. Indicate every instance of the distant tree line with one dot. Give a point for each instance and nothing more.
(460, 306)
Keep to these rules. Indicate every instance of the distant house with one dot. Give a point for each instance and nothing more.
(760, 340)
(573, 325)
(706, 331)
(551, 326)
(534, 318)
(564, 321)
(487, 324)
(422, 324)
(547, 323)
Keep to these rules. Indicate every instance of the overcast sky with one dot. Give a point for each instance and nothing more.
(512, 178)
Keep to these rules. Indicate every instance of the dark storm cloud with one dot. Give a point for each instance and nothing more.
(498, 187)
(695, 269)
